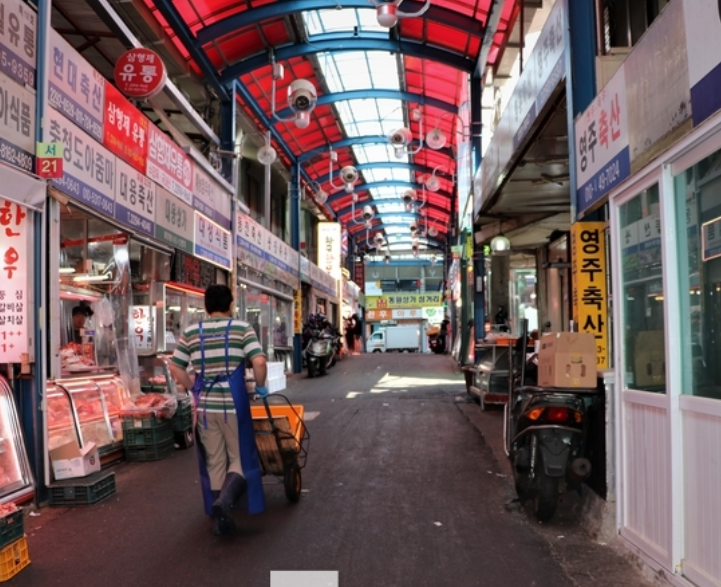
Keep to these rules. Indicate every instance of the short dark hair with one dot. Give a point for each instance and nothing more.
(83, 309)
(218, 298)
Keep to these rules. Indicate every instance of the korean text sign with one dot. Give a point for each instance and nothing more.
(134, 199)
(212, 242)
(169, 166)
(88, 168)
(75, 88)
(404, 301)
(142, 320)
(15, 228)
(590, 296)
(17, 124)
(174, 221)
(329, 245)
(140, 73)
(211, 199)
(125, 129)
(18, 45)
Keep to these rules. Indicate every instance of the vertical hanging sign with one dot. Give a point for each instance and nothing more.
(590, 294)
(298, 311)
(329, 238)
(14, 285)
(18, 31)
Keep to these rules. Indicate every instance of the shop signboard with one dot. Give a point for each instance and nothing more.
(603, 158)
(702, 20)
(168, 165)
(590, 296)
(304, 269)
(88, 167)
(298, 311)
(18, 34)
(404, 301)
(140, 73)
(629, 247)
(711, 235)
(189, 270)
(135, 198)
(17, 124)
(434, 314)
(322, 281)
(542, 73)
(359, 274)
(15, 264)
(141, 326)
(211, 241)
(75, 88)
(173, 221)
(649, 240)
(125, 129)
(407, 314)
(329, 248)
(210, 198)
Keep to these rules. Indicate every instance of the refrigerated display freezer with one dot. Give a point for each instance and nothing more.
(16, 479)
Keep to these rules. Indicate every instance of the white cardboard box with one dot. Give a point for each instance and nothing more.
(69, 460)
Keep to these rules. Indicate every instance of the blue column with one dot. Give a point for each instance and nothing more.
(580, 45)
(476, 128)
(479, 297)
(227, 137)
(295, 243)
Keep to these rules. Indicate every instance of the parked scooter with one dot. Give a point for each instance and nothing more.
(545, 433)
(319, 341)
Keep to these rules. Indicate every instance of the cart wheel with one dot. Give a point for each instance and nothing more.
(292, 482)
(185, 439)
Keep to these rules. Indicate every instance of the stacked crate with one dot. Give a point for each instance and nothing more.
(182, 423)
(276, 377)
(14, 555)
(147, 438)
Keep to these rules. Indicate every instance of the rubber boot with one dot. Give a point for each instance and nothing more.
(234, 486)
(216, 524)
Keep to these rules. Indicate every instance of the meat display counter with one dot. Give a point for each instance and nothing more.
(87, 410)
(155, 375)
(16, 480)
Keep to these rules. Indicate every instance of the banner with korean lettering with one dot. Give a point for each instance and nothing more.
(125, 131)
(702, 20)
(603, 158)
(75, 88)
(323, 282)
(15, 269)
(329, 248)
(298, 311)
(168, 165)
(590, 294)
(134, 198)
(17, 124)
(89, 168)
(18, 41)
(142, 325)
(359, 274)
(211, 199)
(211, 241)
(404, 300)
(174, 221)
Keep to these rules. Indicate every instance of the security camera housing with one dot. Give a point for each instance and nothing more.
(408, 196)
(349, 174)
(401, 137)
(368, 212)
(302, 96)
(414, 226)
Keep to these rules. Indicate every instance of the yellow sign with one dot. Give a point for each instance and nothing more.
(590, 294)
(298, 312)
(404, 301)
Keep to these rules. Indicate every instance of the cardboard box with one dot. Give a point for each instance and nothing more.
(649, 359)
(70, 461)
(567, 359)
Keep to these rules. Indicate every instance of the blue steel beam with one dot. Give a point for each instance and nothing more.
(359, 206)
(282, 8)
(380, 94)
(176, 22)
(492, 21)
(367, 140)
(321, 179)
(393, 183)
(337, 43)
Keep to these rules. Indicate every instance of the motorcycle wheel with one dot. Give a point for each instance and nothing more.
(546, 500)
(311, 371)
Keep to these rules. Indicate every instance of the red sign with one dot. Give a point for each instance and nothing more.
(49, 167)
(140, 73)
(169, 166)
(14, 283)
(359, 275)
(125, 129)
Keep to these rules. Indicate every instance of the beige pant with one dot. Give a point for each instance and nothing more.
(220, 440)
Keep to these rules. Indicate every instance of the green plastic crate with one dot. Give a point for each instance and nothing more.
(152, 452)
(83, 491)
(143, 422)
(183, 418)
(142, 437)
(11, 527)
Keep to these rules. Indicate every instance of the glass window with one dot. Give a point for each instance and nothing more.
(642, 268)
(282, 323)
(698, 210)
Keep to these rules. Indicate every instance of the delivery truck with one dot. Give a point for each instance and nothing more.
(395, 338)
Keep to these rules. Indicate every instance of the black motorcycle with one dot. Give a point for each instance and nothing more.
(546, 436)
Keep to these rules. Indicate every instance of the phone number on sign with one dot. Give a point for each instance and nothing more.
(16, 156)
(74, 113)
(18, 69)
(137, 221)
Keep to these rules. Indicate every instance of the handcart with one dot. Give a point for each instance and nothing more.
(282, 440)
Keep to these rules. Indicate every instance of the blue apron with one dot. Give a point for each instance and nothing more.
(250, 462)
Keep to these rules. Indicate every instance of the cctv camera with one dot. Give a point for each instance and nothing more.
(378, 238)
(302, 96)
(367, 212)
(414, 226)
(349, 174)
(408, 196)
(401, 137)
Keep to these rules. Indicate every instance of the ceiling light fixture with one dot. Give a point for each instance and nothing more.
(500, 245)
(387, 13)
(267, 154)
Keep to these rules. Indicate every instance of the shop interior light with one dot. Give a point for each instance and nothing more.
(66, 270)
(92, 278)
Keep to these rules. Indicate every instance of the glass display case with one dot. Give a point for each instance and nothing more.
(15, 477)
(155, 375)
(183, 306)
(86, 410)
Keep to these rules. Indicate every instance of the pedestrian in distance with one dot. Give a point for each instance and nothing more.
(349, 335)
(218, 349)
(358, 333)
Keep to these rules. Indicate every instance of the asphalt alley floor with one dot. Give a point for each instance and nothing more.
(403, 487)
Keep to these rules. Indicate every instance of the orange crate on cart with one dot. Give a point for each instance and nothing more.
(13, 559)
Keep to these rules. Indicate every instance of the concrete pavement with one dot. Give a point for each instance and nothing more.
(401, 489)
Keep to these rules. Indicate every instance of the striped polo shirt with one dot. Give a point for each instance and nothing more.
(242, 345)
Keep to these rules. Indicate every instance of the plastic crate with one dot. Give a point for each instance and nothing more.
(141, 437)
(183, 418)
(143, 422)
(153, 452)
(83, 491)
(11, 527)
(14, 558)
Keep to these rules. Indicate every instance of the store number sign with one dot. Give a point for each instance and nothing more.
(14, 268)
